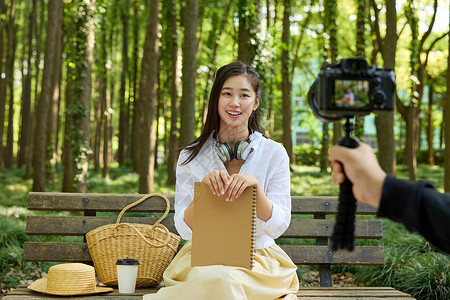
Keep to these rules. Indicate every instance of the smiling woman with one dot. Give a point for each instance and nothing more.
(230, 155)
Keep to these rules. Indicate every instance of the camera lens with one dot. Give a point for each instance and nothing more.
(379, 97)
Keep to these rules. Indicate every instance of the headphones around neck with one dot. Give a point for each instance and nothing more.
(226, 154)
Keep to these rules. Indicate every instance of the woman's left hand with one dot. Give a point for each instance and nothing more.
(238, 183)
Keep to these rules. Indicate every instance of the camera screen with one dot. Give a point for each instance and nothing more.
(351, 94)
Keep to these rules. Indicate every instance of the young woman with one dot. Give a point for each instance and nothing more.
(230, 155)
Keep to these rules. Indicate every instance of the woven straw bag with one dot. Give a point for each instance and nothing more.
(152, 245)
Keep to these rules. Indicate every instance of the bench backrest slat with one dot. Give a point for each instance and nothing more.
(300, 254)
(94, 202)
(80, 225)
(116, 202)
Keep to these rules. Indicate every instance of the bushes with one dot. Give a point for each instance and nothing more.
(422, 156)
(307, 155)
(412, 265)
(13, 269)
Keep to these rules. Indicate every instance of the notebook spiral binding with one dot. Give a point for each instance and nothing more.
(253, 241)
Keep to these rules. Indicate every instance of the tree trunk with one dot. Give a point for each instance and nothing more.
(384, 122)
(135, 142)
(124, 126)
(40, 136)
(12, 42)
(286, 83)
(97, 148)
(80, 35)
(6, 29)
(68, 182)
(412, 131)
(361, 17)
(85, 120)
(147, 98)
(174, 103)
(430, 127)
(53, 115)
(25, 110)
(244, 53)
(189, 73)
(447, 129)
(104, 97)
(324, 152)
(40, 28)
(330, 52)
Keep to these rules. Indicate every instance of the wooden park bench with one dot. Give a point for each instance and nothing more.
(308, 222)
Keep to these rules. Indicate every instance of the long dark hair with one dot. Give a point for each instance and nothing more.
(212, 122)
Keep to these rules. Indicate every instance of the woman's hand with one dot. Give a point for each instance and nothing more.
(238, 183)
(217, 181)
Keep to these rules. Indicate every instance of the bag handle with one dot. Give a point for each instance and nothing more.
(163, 242)
(142, 200)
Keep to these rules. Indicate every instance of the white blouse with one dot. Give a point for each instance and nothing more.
(268, 162)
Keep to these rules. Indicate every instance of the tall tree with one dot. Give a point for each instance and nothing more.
(148, 99)
(104, 93)
(430, 127)
(330, 53)
(5, 52)
(12, 43)
(286, 85)
(80, 47)
(385, 122)
(189, 73)
(248, 12)
(174, 103)
(124, 113)
(135, 143)
(447, 128)
(53, 112)
(25, 109)
(362, 16)
(40, 136)
(418, 64)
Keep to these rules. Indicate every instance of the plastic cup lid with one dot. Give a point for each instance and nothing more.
(127, 261)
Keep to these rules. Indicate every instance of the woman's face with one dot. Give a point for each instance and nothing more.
(237, 101)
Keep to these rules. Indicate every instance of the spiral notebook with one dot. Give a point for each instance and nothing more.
(223, 231)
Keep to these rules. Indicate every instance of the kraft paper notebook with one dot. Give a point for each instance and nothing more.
(223, 231)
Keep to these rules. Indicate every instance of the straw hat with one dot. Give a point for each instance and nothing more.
(69, 279)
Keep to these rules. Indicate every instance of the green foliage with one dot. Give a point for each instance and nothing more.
(307, 155)
(13, 269)
(422, 156)
(309, 181)
(14, 188)
(411, 265)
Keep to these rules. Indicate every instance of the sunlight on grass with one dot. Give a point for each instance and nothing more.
(309, 181)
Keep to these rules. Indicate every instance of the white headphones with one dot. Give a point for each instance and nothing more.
(226, 154)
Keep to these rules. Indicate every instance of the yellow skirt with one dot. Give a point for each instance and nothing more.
(274, 276)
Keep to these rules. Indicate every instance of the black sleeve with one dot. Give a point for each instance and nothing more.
(419, 207)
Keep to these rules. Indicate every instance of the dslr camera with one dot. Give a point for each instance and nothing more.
(351, 88)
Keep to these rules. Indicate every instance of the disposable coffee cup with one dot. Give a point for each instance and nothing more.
(127, 269)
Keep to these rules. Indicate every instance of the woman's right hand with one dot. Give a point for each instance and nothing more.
(217, 181)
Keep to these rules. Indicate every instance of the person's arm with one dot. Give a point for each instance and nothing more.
(277, 190)
(419, 207)
(184, 194)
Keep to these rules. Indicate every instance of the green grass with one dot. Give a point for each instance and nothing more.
(412, 264)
